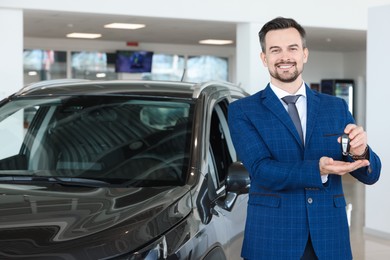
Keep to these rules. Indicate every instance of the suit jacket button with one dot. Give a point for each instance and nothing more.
(310, 200)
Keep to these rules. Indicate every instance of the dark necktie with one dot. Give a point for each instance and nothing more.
(293, 112)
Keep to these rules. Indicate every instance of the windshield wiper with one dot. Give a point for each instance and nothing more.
(67, 181)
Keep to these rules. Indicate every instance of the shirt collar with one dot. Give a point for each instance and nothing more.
(280, 93)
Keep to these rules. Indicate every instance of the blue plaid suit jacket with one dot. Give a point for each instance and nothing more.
(287, 198)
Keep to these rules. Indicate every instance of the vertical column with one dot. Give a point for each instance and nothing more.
(378, 124)
(11, 51)
(250, 72)
(360, 101)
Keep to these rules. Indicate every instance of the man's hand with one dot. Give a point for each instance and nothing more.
(329, 166)
(358, 137)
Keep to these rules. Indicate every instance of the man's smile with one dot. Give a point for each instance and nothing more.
(285, 65)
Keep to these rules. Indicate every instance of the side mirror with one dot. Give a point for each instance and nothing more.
(238, 180)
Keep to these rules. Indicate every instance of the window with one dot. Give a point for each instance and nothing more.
(48, 64)
(138, 141)
(204, 68)
(166, 67)
(43, 65)
(93, 65)
(222, 151)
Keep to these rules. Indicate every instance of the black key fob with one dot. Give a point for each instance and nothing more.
(345, 144)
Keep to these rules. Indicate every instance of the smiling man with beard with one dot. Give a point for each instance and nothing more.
(291, 147)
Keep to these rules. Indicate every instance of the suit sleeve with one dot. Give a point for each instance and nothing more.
(369, 175)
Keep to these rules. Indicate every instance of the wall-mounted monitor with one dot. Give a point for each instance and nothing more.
(133, 61)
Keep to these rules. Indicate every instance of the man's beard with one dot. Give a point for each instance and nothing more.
(285, 78)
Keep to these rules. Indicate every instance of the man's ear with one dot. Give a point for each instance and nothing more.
(305, 55)
(263, 58)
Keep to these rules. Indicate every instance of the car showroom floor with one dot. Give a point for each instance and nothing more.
(364, 247)
(367, 247)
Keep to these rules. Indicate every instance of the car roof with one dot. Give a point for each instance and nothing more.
(123, 87)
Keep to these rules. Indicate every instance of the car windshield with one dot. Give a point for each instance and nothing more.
(110, 139)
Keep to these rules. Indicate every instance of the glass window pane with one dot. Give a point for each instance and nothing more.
(132, 140)
(43, 65)
(93, 65)
(204, 68)
(166, 67)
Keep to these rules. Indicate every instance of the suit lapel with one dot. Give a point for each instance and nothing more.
(272, 102)
(313, 106)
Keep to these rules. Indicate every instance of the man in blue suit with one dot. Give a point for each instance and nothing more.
(296, 207)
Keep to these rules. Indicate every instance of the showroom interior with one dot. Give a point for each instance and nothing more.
(346, 40)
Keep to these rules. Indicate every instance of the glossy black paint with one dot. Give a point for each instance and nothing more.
(46, 222)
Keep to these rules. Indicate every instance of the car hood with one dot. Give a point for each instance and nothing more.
(85, 223)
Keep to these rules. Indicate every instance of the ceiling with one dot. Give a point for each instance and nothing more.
(44, 24)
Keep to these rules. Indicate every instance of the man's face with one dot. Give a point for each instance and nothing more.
(284, 55)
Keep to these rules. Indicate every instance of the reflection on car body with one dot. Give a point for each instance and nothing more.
(120, 170)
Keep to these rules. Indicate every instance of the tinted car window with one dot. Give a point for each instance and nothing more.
(219, 140)
(121, 140)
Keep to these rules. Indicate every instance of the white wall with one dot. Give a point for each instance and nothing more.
(250, 73)
(355, 68)
(378, 122)
(322, 65)
(11, 51)
(336, 65)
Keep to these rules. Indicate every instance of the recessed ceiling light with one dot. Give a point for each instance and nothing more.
(216, 42)
(84, 35)
(131, 26)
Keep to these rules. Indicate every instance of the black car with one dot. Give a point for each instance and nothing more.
(120, 170)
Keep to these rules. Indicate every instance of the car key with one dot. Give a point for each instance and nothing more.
(345, 146)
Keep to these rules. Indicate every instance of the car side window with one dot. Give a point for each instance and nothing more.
(221, 147)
